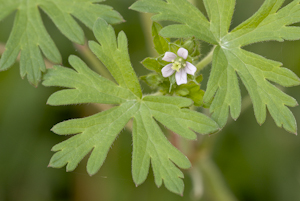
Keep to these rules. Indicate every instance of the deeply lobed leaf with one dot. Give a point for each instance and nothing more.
(114, 55)
(150, 143)
(86, 86)
(230, 61)
(96, 133)
(179, 11)
(31, 38)
(161, 44)
(273, 27)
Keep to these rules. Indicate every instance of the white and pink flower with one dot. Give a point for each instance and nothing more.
(179, 64)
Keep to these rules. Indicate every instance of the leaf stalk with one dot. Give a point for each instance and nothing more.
(205, 61)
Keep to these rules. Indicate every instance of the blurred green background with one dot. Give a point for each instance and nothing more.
(257, 163)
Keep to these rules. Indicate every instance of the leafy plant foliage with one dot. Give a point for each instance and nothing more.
(230, 61)
(31, 38)
(167, 85)
(96, 133)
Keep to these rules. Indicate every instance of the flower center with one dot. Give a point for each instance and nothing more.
(178, 63)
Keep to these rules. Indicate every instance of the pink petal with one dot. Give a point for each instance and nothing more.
(182, 53)
(169, 56)
(190, 68)
(181, 77)
(167, 71)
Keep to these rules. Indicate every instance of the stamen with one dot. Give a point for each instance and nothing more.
(176, 66)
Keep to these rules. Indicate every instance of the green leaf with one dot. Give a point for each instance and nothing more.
(179, 11)
(114, 55)
(95, 134)
(223, 79)
(191, 90)
(165, 110)
(192, 46)
(273, 27)
(150, 143)
(230, 61)
(31, 38)
(153, 80)
(269, 7)
(86, 86)
(220, 13)
(152, 64)
(161, 44)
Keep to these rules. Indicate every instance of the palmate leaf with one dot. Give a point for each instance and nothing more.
(96, 133)
(230, 61)
(31, 38)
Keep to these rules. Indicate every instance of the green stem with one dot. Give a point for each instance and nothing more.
(192, 2)
(205, 61)
(208, 143)
(2, 48)
(197, 180)
(213, 181)
(158, 93)
(205, 174)
(147, 29)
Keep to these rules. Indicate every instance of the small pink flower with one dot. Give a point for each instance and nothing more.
(179, 64)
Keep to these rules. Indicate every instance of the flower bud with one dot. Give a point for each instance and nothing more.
(189, 45)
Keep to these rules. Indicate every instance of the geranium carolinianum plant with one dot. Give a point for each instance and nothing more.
(96, 133)
(270, 22)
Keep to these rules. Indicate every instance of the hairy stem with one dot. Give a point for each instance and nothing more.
(147, 30)
(2, 48)
(205, 61)
(192, 2)
(205, 175)
(213, 181)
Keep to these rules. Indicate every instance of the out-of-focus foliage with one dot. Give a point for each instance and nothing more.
(25, 141)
